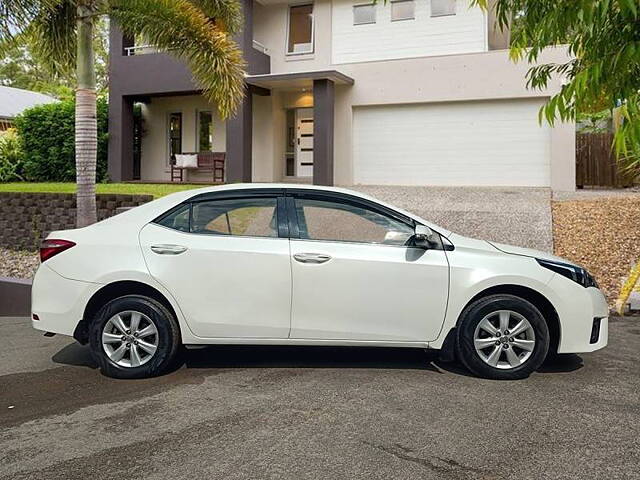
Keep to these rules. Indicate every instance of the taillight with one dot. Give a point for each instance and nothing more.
(52, 246)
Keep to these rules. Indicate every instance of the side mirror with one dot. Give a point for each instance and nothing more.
(424, 237)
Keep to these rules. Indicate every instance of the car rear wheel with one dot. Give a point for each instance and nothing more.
(502, 337)
(134, 337)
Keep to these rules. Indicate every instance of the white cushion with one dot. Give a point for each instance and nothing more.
(186, 161)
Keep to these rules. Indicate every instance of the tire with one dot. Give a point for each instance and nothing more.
(157, 328)
(516, 356)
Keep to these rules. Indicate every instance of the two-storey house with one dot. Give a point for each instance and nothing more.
(347, 92)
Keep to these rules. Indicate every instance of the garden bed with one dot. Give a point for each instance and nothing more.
(602, 235)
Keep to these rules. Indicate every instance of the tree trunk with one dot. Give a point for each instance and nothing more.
(86, 122)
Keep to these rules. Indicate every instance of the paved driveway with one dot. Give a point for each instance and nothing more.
(518, 216)
(303, 413)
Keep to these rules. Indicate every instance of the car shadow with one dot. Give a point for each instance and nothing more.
(267, 356)
(277, 356)
(561, 363)
(75, 355)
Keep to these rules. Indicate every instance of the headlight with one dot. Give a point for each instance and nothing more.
(572, 272)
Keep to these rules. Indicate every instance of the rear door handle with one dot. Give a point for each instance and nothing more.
(167, 249)
(311, 257)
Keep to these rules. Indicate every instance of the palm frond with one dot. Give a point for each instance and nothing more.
(226, 13)
(15, 15)
(52, 38)
(184, 30)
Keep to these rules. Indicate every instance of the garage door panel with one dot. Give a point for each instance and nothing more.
(465, 143)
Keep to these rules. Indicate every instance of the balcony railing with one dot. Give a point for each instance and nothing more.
(147, 49)
(140, 50)
(260, 47)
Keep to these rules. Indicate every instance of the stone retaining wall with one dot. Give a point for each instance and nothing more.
(26, 218)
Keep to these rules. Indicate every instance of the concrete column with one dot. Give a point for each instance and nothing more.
(120, 158)
(323, 113)
(239, 139)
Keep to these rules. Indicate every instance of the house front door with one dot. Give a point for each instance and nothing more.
(304, 142)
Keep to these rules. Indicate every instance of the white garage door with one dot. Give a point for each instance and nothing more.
(463, 143)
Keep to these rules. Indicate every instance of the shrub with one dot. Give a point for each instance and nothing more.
(11, 156)
(47, 133)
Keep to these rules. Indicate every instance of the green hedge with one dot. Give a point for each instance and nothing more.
(47, 133)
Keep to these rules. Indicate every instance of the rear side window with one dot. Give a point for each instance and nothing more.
(249, 217)
(254, 217)
(177, 219)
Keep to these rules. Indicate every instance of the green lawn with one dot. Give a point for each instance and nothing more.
(157, 190)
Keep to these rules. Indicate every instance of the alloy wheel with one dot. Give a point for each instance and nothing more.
(504, 339)
(130, 339)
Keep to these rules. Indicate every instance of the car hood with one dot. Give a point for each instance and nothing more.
(528, 252)
(459, 240)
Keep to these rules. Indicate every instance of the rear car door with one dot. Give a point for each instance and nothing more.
(355, 277)
(225, 259)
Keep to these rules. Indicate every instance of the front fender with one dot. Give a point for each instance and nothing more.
(473, 272)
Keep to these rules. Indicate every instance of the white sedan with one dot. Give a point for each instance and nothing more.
(306, 265)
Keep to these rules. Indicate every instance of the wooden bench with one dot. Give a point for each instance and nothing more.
(212, 162)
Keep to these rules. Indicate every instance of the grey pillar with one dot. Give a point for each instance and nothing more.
(323, 105)
(239, 136)
(120, 158)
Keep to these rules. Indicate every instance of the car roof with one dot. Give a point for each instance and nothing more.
(151, 210)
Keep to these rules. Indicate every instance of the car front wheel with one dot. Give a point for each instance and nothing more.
(502, 337)
(134, 337)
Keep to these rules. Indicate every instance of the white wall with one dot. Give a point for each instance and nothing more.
(155, 142)
(463, 32)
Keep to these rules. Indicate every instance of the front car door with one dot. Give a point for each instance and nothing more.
(356, 278)
(226, 261)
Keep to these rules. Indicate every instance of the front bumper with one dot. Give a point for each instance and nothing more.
(577, 309)
(58, 302)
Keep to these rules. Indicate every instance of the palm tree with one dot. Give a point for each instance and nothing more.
(61, 32)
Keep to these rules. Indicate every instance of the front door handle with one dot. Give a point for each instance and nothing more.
(167, 249)
(311, 257)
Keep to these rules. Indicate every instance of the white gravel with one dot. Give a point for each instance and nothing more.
(19, 264)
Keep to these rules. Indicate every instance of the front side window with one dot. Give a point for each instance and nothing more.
(440, 8)
(403, 10)
(364, 14)
(300, 35)
(205, 132)
(253, 217)
(345, 222)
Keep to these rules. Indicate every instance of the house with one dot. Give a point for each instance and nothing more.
(13, 101)
(347, 92)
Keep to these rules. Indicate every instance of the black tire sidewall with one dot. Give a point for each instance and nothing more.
(168, 337)
(475, 312)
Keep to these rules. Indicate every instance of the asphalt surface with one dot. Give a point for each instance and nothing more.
(298, 413)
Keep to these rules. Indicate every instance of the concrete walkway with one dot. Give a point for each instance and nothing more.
(517, 216)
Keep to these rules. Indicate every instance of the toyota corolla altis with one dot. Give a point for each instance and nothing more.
(306, 265)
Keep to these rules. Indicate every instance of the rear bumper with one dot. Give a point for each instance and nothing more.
(59, 302)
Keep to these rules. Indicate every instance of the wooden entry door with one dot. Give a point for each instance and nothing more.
(304, 142)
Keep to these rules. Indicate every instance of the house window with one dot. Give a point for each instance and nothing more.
(403, 10)
(441, 8)
(205, 132)
(300, 35)
(364, 14)
(175, 134)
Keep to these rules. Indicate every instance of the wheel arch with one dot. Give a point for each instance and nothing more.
(536, 298)
(112, 291)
